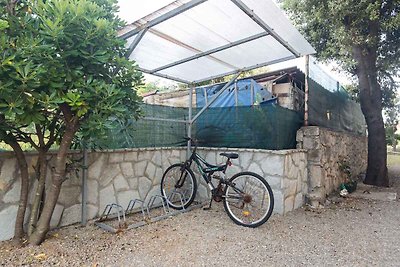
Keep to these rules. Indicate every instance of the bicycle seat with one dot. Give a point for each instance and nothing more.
(230, 155)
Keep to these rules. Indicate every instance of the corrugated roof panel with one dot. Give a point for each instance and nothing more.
(259, 51)
(196, 69)
(211, 24)
(201, 26)
(154, 51)
(133, 10)
(270, 13)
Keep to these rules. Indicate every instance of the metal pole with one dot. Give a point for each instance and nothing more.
(189, 129)
(236, 94)
(306, 91)
(251, 93)
(205, 95)
(84, 187)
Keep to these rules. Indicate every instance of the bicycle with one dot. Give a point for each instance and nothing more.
(247, 197)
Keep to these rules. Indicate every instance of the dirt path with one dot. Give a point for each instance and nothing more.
(350, 232)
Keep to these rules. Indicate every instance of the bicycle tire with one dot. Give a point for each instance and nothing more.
(181, 194)
(259, 184)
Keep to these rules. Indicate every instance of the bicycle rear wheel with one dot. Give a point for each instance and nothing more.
(178, 186)
(248, 199)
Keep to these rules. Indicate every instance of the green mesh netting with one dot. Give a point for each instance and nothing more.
(334, 110)
(267, 127)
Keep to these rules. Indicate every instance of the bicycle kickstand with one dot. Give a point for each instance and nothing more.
(209, 206)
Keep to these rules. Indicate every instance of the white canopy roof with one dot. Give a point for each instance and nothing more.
(197, 40)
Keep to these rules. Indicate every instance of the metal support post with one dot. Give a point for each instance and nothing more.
(236, 94)
(189, 126)
(251, 93)
(84, 188)
(306, 92)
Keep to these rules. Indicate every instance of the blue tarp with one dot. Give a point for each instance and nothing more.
(227, 99)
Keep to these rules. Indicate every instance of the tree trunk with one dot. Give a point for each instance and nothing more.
(43, 224)
(394, 139)
(23, 200)
(42, 171)
(371, 106)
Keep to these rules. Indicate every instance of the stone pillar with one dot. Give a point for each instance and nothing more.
(326, 151)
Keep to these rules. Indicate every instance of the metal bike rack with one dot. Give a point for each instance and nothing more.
(106, 216)
(145, 210)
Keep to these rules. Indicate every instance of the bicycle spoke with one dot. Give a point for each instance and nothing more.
(252, 206)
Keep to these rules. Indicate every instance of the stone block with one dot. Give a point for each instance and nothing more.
(144, 155)
(291, 170)
(7, 222)
(315, 176)
(8, 170)
(139, 168)
(158, 176)
(156, 159)
(127, 169)
(109, 173)
(210, 157)
(299, 201)
(14, 193)
(96, 168)
(232, 170)
(150, 170)
(274, 181)
(273, 165)
(154, 191)
(165, 163)
(311, 130)
(130, 156)
(278, 202)
(71, 215)
(126, 196)
(92, 212)
(133, 183)
(299, 136)
(56, 217)
(69, 195)
(254, 167)
(290, 187)
(120, 183)
(144, 187)
(245, 159)
(3, 187)
(311, 142)
(289, 204)
(93, 192)
(315, 155)
(106, 196)
(182, 155)
(117, 157)
(202, 193)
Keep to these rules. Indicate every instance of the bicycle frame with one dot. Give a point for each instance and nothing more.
(209, 169)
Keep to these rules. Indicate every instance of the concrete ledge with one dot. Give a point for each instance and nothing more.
(371, 192)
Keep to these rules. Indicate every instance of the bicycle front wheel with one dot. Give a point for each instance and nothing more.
(178, 186)
(248, 199)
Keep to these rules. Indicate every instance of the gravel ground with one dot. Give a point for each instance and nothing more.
(347, 232)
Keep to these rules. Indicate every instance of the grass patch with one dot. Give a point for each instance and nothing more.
(393, 160)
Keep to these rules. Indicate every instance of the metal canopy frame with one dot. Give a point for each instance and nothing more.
(141, 30)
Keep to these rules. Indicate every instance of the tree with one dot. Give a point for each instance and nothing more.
(392, 120)
(63, 75)
(364, 38)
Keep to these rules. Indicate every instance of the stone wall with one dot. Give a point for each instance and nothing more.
(121, 175)
(327, 151)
